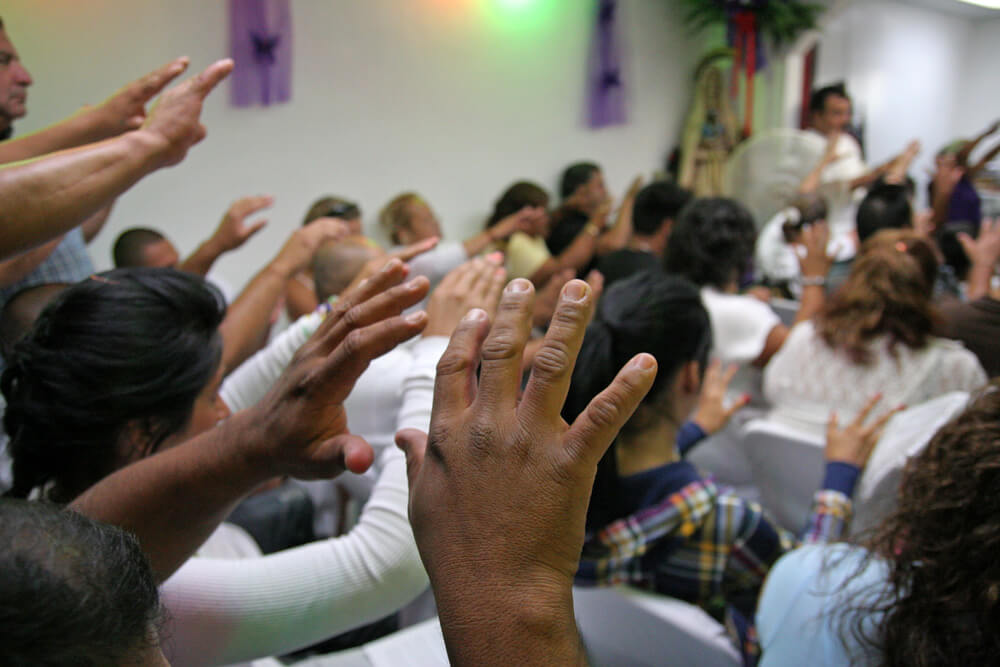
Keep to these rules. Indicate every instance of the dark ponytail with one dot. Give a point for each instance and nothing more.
(126, 346)
(649, 312)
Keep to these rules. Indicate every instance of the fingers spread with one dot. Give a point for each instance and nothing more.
(501, 353)
(455, 383)
(554, 361)
(351, 357)
(380, 307)
(592, 432)
(389, 276)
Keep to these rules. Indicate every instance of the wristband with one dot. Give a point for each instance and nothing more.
(592, 229)
(813, 281)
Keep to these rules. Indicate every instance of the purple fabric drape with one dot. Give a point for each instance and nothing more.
(605, 86)
(260, 41)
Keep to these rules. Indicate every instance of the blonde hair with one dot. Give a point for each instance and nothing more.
(394, 216)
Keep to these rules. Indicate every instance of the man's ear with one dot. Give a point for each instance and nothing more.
(689, 378)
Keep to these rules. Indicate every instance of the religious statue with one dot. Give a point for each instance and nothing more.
(710, 134)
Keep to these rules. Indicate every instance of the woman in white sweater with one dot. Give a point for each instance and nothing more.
(127, 363)
(873, 336)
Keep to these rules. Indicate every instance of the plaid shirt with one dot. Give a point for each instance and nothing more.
(68, 263)
(694, 541)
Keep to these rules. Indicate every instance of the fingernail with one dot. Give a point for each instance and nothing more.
(519, 285)
(417, 317)
(500, 272)
(495, 257)
(414, 285)
(475, 315)
(575, 290)
(645, 362)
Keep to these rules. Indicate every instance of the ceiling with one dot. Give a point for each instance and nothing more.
(955, 8)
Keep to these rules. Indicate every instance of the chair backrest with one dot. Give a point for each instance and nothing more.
(787, 467)
(623, 626)
(905, 436)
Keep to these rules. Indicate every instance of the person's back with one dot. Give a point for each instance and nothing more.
(873, 336)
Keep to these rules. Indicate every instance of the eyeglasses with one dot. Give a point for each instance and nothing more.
(344, 210)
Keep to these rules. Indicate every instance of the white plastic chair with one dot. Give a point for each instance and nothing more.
(906, 435)
(787, 466)
(624, 626)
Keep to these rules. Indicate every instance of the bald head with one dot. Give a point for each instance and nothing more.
(336, 263)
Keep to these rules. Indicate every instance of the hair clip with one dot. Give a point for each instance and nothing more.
(901, 246)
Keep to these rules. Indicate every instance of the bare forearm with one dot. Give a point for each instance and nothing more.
(983, 161)
(478, 243)
(174, 500)
(978, 282)
(48, 196)
(202, 259)
(16, 268)
(939, 203)
(813, 298)
(508, 623)
(580, 251)
(618, 236)
(250, 314)
(83, 127)
(810, 183)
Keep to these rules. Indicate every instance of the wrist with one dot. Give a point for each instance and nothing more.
(813, 279)
(149, 148)
(243, 453)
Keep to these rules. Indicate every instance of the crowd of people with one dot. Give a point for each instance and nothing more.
(479, 425)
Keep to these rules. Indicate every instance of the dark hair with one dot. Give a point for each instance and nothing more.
(574, 176)
(817, 101)
(74, 592)
(516, 197)
(952, 249)
(647, 312)
(655, 203)
(131, 244)
(332, 207)
(712, 242)
(941, 602)
(126, 346)
(810, 208)
(884, 207)
(888, 292)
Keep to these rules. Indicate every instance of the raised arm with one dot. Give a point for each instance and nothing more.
(250, 315)
(229, 235)
(504, 595)
(48, 196)
(618, 236)
(122, 112)
(962, 157)
(172, 501)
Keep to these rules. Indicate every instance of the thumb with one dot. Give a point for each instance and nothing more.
(333, 456)
(968, 245)
(135, 122)
(255, 227)
(413, 442)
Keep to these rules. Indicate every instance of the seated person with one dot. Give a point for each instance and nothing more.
(526, 253)
(776, 258)
(874, 335)
(408, 219)
(584, 209)
(656, 207)
(300, 297)
(951, 191)
(75, 591)
(886, 206)
(656, 522)
(155, 332)
(140, 246)
(711, 245)
(920, 589)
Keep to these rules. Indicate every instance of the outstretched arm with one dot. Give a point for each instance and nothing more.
(229, 235)
(123, 111)
(172, 501)
(48, 196)
(491, 462)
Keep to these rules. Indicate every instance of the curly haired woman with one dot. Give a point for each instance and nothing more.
(924, 588)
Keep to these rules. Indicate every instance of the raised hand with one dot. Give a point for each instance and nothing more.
(475, 284)
(300, 247)
(175, 120)
(126, 109)
(303, 414)
(712, 414)
(232, 232)
(855, 442)
(815, 238)
(499, 491)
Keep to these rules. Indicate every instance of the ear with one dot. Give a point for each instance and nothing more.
(689, 378)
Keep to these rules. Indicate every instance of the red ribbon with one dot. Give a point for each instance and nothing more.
(745, 44)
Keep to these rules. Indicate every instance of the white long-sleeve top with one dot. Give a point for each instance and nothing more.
(222, 611)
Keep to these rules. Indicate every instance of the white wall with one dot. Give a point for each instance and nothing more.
(978, 102)
(453, 98)
(903, 66)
